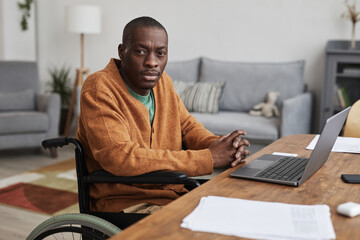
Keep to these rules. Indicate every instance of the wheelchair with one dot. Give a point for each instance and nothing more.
(98, 225)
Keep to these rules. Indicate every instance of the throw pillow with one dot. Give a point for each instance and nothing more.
(181, 88)
(203, 97)
(17, 101)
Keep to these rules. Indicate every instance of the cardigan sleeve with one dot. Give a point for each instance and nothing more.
(195, 135)
(108, 136)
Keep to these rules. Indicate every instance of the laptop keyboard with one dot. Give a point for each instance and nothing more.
(286, 169)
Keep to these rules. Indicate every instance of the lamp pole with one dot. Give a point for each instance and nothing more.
(81, 19)
(82, 49)
(80, 73)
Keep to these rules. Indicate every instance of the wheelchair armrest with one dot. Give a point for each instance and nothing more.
(158, 177)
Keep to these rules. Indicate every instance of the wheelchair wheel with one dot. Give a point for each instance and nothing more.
(74, 226)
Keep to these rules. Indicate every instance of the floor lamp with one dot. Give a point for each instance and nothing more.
(81, 19)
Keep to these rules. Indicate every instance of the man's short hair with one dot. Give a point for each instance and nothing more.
(140, 22)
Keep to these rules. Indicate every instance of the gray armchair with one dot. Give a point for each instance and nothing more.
(27, 117)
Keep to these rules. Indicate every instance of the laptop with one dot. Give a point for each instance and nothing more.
(294, 171)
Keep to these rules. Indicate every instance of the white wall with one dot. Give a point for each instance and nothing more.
(234, 30)
(16, 44)
(1, 30)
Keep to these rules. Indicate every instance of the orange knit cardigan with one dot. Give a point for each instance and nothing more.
(116, 134)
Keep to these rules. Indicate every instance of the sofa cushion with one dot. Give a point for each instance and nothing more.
(248, 83)
(200, 97)
(15, 101)
(256, 127)
(187, 71)
(12, 141)
(22, 122)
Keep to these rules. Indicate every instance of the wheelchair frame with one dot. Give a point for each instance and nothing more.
(99, 225)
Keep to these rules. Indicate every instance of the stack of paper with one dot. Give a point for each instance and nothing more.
(342, 144)
(260, 220)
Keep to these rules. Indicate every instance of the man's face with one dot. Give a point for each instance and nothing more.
(144, 57)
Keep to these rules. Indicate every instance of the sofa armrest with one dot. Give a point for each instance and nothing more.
(50, 104)
(296, 115)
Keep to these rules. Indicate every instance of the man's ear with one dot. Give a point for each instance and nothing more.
(121, 51)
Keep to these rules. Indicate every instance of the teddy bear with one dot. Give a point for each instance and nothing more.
(267, 108)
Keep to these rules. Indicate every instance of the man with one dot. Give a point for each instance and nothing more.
(132, 122)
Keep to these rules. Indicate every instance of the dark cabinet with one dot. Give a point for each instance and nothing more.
(341, 86)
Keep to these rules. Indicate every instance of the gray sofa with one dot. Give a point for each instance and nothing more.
(247, 84)
(26, 116)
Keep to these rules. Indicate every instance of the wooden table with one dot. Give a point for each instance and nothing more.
(324, 187)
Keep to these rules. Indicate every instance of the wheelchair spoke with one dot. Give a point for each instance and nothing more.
(72, 233)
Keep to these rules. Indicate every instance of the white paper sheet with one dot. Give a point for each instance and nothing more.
(285, 154)
(342, 144)
(260, 220)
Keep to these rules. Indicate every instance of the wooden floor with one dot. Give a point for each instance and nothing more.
(16, 224)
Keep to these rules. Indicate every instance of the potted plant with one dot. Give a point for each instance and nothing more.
(61, 83)
(354, 18)
(25, 7)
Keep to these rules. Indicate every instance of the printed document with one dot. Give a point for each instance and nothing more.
(342, 144)
(260, 220)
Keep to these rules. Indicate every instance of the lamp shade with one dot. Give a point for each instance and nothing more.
(84, 19)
